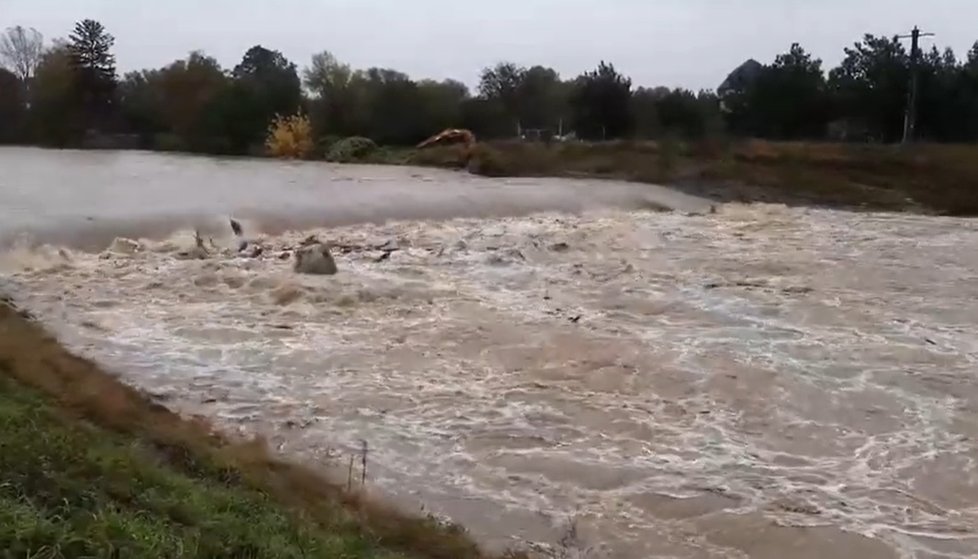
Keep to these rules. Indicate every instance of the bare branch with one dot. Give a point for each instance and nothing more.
(21, 50)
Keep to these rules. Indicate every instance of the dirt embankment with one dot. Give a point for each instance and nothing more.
(921, 178)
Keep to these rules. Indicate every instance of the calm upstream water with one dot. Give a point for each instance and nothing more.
(522, 355)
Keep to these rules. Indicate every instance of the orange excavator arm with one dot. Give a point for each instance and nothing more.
(450, 135)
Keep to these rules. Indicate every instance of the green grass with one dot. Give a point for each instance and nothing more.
(72, 489)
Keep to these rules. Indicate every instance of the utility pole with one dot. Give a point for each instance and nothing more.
(910, 116)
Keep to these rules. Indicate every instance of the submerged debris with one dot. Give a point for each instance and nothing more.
(246, 248)
(199, 252)
(252, 251)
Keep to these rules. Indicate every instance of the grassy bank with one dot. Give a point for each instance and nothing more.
(91, 468)
(925, 178)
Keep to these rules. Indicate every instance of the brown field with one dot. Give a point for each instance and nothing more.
(926, 178)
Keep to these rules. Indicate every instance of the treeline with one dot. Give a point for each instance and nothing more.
(69, 94)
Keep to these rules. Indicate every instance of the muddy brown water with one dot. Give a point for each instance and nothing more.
(519, 355)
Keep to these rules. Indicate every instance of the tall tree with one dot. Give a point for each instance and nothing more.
(677, 112)
(21, 50)
(786, 100)
(90, 47)
(272, 77)
(442, 103)
(12, 107)
(871, 86)
(266, 84)
(501, 85)
(174, 101)
(486, 118)
(601, 104)
(645, 111)
(941, 110)
(55, 116)
(541, 98)
(186, 89)
(333, 99)
(966, 94)
(796, 80)
(326, 75)
(394, 107)
(140, 105)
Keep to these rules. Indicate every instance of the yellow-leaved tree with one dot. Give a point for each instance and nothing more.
(290, 137)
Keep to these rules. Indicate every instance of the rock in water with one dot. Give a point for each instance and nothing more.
(122, 245)
(314, 259)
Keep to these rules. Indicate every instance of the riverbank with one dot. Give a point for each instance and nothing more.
(920, 178)
(91, 467)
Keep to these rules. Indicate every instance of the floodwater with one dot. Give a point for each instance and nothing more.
(757, 382)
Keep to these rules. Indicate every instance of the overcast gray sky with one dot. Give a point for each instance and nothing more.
(690, 43)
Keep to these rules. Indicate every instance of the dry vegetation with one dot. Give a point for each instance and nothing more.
(90, 467)
(290, 137)
(926, 178)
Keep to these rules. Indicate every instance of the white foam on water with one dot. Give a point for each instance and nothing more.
(672, 380)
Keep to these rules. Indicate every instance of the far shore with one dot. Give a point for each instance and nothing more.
(922, 178)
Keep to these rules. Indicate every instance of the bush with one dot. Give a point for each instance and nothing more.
(354, 148)
(325, 143)
(290, 137)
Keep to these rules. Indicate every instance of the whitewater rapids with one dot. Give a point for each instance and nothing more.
(759, 382)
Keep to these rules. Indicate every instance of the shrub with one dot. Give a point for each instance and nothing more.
(290, 137)
(325, 143)
(354, 148)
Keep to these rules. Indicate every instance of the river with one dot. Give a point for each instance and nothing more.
(523, 355)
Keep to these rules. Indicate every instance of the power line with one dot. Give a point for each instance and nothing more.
(910, 115)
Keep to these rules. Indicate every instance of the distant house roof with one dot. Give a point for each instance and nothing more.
(740, 77)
